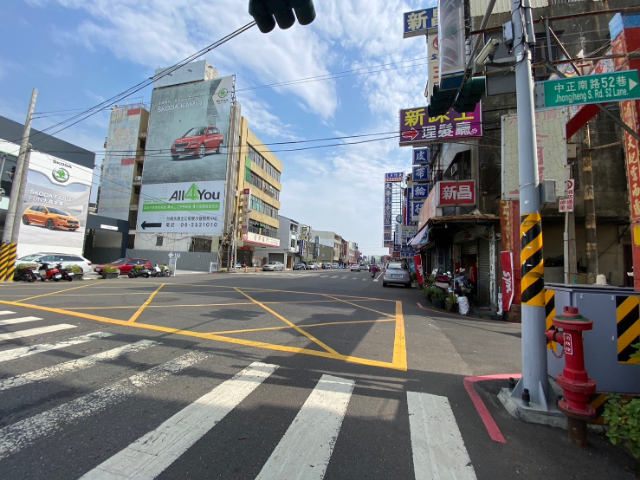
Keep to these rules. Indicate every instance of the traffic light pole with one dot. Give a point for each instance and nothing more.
(533, 389)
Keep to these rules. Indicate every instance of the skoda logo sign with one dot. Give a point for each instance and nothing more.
(223, 93)
(60, 175)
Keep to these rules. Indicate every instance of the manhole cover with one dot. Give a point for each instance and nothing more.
(165, 299)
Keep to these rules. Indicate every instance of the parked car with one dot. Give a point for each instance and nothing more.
(313, 266)
(65, 259)
(396, 273)
(335, 266)
(49, 217)
(198, 141)
(273, 266)
(125, 265)
(355, 267)
(299, 266)
(326, 266)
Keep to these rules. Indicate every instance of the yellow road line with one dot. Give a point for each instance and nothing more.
(219, 338)
(306, 334)
(53, 293)
(203, 304)
(144, 305)
(250, 330)
(400, 342)
(360, 306)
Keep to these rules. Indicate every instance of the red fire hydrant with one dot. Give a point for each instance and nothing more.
(576, 385)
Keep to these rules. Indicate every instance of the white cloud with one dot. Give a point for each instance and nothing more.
(261, 120)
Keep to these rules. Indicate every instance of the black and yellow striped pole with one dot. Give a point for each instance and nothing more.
(533, 389)
(8, 255)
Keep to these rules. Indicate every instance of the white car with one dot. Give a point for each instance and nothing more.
(66, 259)
(273, 266)
(313, 266)
(355, 267)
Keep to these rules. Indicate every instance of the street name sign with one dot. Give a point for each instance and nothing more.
(603, 88)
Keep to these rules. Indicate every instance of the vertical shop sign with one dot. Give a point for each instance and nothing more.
(417, 260)
(507, 280)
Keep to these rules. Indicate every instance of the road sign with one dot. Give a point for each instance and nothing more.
(603, 88)
(566, 204)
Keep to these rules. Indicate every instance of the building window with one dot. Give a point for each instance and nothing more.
(262, 229)
(263, 163)
(199, 244)
(262, 207)
(159, 240)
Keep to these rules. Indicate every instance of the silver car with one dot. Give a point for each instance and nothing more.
(396, 273)
(273, 266)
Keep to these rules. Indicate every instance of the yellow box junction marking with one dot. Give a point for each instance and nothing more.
(399, 355)
(359, 306)
(298, 329)
(54, 293)
(628, 328)
(135, 316)
(328, 324)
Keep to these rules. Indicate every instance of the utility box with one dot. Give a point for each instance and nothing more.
(615, 313)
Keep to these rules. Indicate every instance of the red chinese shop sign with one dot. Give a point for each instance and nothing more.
(629, 116)
(452, 194)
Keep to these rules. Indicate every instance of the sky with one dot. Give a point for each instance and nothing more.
(78, 53)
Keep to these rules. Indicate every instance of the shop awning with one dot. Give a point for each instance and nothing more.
(419, 239)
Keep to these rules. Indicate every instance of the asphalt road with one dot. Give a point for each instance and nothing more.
(271, 375)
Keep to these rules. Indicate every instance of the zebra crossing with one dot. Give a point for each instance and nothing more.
(344, 275)
(304, 450)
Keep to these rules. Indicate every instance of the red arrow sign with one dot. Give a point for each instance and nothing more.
(412, 134)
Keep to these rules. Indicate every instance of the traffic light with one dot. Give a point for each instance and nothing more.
(441, 101)
(267, 12)
(470, 94)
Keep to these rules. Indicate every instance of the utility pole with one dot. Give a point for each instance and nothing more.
(9, 247)
(533, 388)
(590, 211)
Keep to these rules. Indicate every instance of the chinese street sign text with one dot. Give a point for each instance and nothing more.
(417, 127)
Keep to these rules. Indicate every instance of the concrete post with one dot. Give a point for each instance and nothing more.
(590, 211)
(534, 355)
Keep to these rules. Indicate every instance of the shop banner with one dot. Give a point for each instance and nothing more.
(418, 262)
(182, 207)
(456, 193)
(507, 280)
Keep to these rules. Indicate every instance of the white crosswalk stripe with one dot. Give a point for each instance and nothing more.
(19, 435)
(304, 451)
(6, 312)
(151, 454)
(21, 352)
(35, 331)
(306, 448)
(15, 321)
(73, 365)
(438, 449)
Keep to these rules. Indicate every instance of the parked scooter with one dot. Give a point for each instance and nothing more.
(139, 272)
(67, 273)
(47, 272)
(29, 274)
(160, 272)
(444, 281)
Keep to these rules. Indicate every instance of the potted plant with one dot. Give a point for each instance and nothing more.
(426, 291)
(451, 302)
(110, 271)
(437, 298)
(77, 271)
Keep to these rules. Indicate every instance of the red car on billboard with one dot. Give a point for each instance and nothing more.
(198, 141)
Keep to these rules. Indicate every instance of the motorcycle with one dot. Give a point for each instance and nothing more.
(28, 274)
(160, 272)
(48, 272)
(444, 282)
(139, 272)
(67, 274)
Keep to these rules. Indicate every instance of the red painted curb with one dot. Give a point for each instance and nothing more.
(483, 411)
